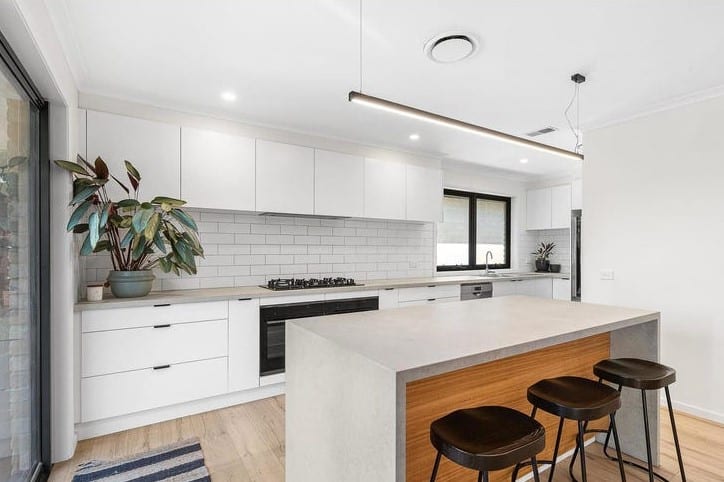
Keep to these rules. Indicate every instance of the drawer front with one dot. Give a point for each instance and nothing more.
(123, 393)
(116, 319)
(429, 292)
(350, 294)
(428, 302)
(105, 352)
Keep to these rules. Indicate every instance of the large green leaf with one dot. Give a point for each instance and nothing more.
(101, 169)
(138, 246)
(102, 245)
(140, 219)
(84, 194)
(123, 186)
(165, 264)
(132, 170)
(86, 249)
(16, 161)
(78, 214)
(93, 229)
(158, 241)
(152, 226)
(168, 200)
(104, 215)
(184, 219)
(80, 228)
(127, 238)
(72, 167)
(80, 160)
(127, 203)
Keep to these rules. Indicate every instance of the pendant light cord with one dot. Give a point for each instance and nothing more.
(360, 46)
(575, 98)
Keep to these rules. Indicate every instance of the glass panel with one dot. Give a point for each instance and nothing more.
(452, 232)
(490, 231)
(17, 316)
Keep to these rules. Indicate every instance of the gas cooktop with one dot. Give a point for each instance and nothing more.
(283, 284)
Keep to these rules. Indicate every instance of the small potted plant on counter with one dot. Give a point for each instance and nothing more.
(138, 235)
(542, 253)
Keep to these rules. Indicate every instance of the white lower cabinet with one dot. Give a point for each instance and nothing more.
(428, 294)
(128, 392)
(431, 301)
(562, 289)
(243, 344)
(541, 287)
(388, 298)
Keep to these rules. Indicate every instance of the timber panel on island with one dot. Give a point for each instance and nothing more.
(500, 382)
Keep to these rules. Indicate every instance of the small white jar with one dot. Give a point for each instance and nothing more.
(94, 292)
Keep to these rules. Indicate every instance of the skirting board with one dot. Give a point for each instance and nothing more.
(116, 424)
(695, 411)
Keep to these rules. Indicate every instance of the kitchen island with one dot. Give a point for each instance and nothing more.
(363, 388)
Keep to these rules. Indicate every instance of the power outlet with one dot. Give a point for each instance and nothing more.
(607, 274)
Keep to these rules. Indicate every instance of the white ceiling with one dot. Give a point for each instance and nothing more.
(292, 63)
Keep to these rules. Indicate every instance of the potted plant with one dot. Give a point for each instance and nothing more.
(542, 253)
(138, 235)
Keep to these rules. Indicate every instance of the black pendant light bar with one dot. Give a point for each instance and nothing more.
(419, 114)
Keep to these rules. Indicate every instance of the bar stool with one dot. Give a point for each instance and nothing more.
(487, 439)
(578, 399)
(641, 375)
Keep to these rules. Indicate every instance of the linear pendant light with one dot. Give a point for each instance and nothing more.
(412, 112)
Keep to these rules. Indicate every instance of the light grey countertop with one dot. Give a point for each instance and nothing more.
(222, 294)
(426, 340)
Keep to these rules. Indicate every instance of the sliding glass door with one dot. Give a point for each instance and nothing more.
(21, 400)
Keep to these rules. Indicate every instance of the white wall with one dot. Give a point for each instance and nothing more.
(654, 213)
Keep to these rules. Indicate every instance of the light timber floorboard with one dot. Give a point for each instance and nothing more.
(246, 443)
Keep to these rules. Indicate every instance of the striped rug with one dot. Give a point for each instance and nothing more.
(180, 462)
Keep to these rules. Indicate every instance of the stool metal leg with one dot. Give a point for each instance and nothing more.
(582, 447)
(534, 465)
(483, 477)
(648, 436)
(618, 447)
(435, 467)
(676, 435)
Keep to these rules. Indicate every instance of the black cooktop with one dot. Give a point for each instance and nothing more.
(283, 284)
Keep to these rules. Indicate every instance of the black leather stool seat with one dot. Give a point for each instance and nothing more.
(487, 438)
(635, 373)
(574, 398)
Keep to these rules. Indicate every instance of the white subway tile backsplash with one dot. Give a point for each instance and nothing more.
(247, 249)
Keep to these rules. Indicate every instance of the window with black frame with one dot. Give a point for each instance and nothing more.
(474, 226)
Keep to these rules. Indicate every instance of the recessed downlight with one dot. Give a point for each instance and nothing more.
(414, 137)
(451, 47)
(228, 96)
(524, 161)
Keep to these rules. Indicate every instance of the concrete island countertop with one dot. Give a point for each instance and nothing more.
(222, 294)
(421, 341)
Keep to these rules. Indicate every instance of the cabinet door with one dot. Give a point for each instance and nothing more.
(505, 288)
(561, 206)
(561, 289)
(338, 184)
(542, 288)
(538, 209)
(388, 298)
(384, 189)
(423, 194)
(577, 194)
(243, 344)
(153, 147)
(284, 178)
(217, 170)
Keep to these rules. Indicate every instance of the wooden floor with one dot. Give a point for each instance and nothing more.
(246, 443)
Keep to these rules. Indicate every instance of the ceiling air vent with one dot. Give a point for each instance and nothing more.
(540, 132)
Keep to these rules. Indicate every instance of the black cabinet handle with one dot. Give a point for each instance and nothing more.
(161, 305)
(389, 289)
(162, 367)
(431, 299)
(162, 326)
(243, 299)
(431, 286)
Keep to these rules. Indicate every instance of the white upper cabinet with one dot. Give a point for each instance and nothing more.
(549, 207)
(538, 212)
(384, 189)
(338, 184)
(424, 194)
(153, 147)
(217, 170)
(561, 206)
(577, 194)
(284, 178)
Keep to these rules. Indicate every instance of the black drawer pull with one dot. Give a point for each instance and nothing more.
(431, 299)
(161, 304)
(162, 326)
(162, 367)
(389, 289)
(244, 299)
(431, 286)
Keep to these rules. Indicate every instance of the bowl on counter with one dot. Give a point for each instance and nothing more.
(555, 268)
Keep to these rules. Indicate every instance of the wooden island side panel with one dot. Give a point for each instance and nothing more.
(501, 382)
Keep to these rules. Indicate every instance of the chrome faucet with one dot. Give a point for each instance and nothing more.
(489, 253)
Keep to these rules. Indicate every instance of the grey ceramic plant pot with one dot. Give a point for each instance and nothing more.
(130, 284)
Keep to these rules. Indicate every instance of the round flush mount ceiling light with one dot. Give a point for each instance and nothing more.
(414, 137)
(228, 96)
(524, 161)
(451, 47)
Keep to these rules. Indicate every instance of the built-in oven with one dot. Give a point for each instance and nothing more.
(272, 320)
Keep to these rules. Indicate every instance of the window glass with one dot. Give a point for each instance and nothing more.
(453, 232)
(490, 232)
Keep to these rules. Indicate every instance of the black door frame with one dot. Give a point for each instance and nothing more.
(41, 238)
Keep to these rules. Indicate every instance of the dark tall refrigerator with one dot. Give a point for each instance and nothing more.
(576, 255)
